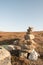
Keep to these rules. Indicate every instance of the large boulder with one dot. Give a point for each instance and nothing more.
(5, 57)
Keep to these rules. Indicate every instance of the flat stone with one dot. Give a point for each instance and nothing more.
(29, 37)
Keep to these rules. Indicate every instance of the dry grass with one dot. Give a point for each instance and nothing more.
(23, 61)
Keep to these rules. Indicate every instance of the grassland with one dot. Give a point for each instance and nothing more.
(8, 37)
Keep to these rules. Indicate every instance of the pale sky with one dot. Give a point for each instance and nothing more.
(18, 15)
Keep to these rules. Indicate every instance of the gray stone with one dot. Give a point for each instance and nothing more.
(9, 47)
(33, 55)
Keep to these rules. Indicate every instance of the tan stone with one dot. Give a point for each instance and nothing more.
(23, 55)
(31, 36)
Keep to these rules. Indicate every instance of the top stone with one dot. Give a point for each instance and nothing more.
(29, 35)
(29, 30)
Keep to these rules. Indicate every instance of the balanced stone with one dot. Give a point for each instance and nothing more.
(29, 30)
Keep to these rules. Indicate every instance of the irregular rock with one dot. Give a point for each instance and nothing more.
(33, 55)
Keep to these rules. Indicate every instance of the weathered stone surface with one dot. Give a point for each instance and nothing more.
(33, 55)
(5, 57)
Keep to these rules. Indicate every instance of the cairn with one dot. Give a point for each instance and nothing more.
(29, 43)
(24, 48)
(29, 39)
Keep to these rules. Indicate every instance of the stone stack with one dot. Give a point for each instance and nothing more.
(29, 39)
(29, 43)
(5, 57)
